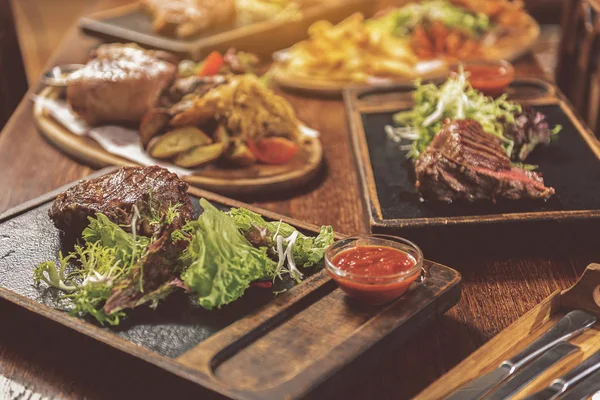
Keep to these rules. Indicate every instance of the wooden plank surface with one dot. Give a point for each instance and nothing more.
(500, 284)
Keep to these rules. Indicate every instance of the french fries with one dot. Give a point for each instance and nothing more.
(351, 51)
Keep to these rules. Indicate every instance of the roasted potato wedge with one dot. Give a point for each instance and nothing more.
(178, 141)
(200, 155)
(198, 113)
(239, 155)
(153, 124)
(221, 135)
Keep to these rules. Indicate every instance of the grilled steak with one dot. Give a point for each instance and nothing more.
(465, 163)
(115, 195)
(119, 84)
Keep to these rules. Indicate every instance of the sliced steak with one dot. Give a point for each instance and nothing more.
(115, 195)
(465, 163)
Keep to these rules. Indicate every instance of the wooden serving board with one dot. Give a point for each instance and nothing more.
(130, 23)
(260, 347)
(510, 48)
(584, 295)
(570, 164)
(233, 181)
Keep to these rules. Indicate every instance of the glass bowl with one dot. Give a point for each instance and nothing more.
(374, 289)
(489, 77)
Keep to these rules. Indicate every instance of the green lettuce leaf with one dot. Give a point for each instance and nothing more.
(222, 263)
(307, 250)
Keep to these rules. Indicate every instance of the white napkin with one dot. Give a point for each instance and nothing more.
(117, 140)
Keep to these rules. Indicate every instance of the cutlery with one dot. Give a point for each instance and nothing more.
(571, 325)
(58, 75)
(532, 371)
(585, 389)
(567, 381)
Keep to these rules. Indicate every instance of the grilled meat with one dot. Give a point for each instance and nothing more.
(119, 84)
(465, 163)
(187, 18)
(115, 195)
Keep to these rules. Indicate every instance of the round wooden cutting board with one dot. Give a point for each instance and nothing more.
(508, 48)
(232, 181)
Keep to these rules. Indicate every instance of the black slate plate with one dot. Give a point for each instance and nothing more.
(238, 350)
(30, 237)
(570, 165)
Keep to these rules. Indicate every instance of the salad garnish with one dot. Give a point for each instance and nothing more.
(215, 258)
(520, 129)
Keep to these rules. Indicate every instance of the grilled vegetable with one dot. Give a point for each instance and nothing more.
(153, 124)
(212, 64)
(221, 135)
(198, 112)
(200, 155)
(273, 150)
(178, 141)
(239, 155)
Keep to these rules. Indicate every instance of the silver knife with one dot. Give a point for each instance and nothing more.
(567, 381)
(532, 371)
(571, 325)
(585, 389)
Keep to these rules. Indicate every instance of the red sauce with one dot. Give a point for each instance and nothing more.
(375, 272)
(491, 79)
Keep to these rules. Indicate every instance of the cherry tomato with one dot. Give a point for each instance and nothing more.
(273, 150)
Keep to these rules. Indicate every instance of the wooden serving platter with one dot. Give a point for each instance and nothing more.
(232, 181)
(130, 23)
(570, 165)
(510, 48)
(584, 295)
(260, 347)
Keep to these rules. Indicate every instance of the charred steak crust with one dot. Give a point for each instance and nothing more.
(465, 163)
(115, 195)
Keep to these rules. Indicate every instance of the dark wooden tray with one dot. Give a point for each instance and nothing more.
(570, 165)
(256, 348)
(129, 23)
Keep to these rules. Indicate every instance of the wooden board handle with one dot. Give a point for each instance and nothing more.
(585, 294)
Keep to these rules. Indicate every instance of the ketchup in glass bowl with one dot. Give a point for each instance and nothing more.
(374, 269)
(489, 77)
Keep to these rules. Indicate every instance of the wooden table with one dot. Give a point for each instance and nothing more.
(499, 286)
